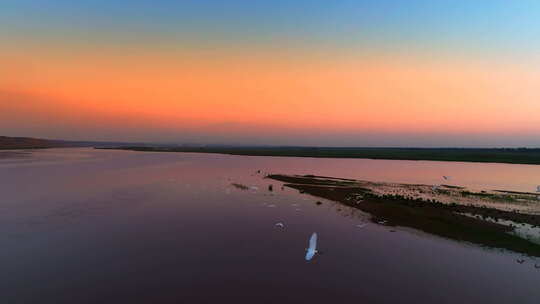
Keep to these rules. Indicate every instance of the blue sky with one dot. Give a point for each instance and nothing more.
(489, 26)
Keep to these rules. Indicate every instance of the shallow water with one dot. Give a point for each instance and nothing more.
(101, 226)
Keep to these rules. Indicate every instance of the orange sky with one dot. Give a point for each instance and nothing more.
(251, 93)
(354, 73)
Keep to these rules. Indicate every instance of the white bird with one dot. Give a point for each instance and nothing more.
(280, 225)
(361, 226)
(312, 250)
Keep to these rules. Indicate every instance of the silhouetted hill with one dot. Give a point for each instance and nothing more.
(29, 143)
(7, 143)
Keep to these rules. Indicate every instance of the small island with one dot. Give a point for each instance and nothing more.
(496, 219)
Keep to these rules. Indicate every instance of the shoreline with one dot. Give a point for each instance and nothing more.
(490, 222)
(524, 156)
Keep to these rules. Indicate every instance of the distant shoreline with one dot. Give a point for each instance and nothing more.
(526, 156)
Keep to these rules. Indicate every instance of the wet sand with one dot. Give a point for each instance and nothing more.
(14, 154)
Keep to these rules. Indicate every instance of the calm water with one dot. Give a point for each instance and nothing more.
(94, 226)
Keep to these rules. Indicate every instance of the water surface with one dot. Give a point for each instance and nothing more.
(101, 226)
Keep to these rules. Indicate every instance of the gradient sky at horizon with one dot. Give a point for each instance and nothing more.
(341, 73)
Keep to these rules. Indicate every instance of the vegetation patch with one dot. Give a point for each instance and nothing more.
(426, 214)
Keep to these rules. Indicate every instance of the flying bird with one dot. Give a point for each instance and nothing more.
(312, 250)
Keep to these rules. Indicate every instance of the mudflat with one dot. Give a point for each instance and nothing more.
(487, 218)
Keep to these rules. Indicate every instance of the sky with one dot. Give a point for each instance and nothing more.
(417, 73)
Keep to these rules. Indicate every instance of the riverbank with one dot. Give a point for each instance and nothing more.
(495, 219)
(495, 155)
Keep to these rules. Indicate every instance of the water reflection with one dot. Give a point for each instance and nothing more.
(119, 226)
